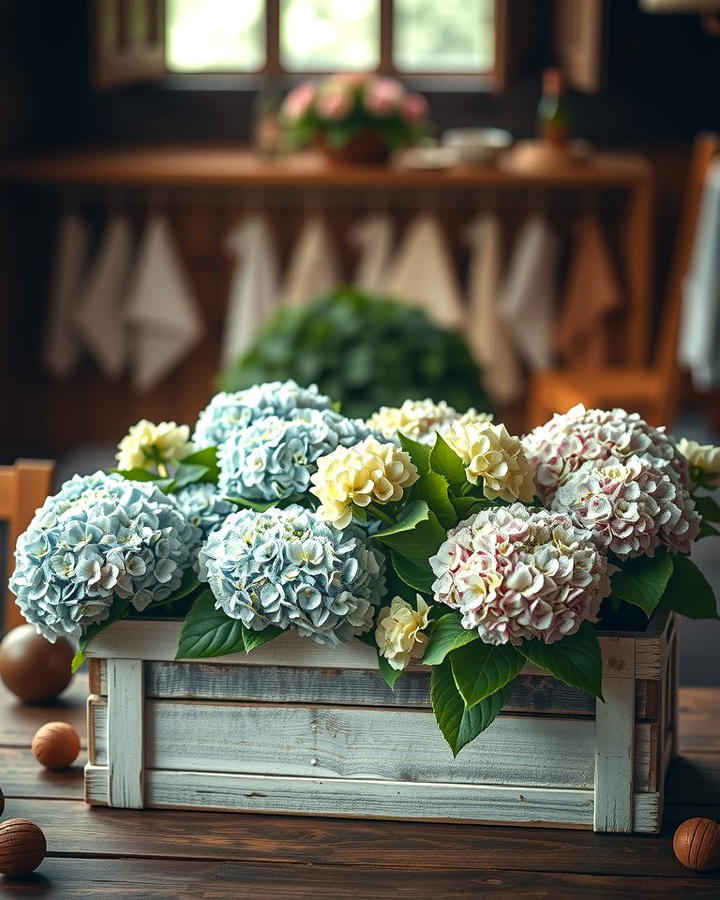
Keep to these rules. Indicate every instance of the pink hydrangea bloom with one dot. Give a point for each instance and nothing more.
(631, 508)
(334, 104)
(415, 108)
(567, 441)
(383, 96)
(299, 100)
(517, 573)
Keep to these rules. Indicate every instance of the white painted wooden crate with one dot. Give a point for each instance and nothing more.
(297, 728)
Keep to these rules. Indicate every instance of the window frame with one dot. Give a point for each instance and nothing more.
(273, 68)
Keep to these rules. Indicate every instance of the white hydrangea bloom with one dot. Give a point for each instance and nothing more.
(631, 508)
(517, 573)
(568, 440)
(146, 444)
(421, 420)
(495, 457)
(704, 456)
(399, 634)
(369, 471)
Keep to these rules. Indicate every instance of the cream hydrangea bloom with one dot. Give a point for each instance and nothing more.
(399, 633)
(704, 456)
(491, 454)
(421, 420)
(146, 444)
(358, 475)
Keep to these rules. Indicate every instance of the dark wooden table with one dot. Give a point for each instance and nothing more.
(175, 854)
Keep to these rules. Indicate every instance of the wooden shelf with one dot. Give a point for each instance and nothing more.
(222, 166)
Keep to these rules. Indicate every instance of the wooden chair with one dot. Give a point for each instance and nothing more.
(653, 391)
(23, 487)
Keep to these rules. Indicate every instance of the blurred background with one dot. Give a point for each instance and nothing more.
(518, 210)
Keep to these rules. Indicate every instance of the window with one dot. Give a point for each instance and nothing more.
(315, 36)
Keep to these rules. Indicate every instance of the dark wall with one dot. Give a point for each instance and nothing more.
(662, 78)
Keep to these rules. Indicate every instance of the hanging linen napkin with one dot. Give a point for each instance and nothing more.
(161, 311)
(253, 287)
(486, 331)
(313, 269)
(422, 274)
(699, 343)
(100, 314)
(591, 293)
(62, 347)
(528, 296)
(373, 237)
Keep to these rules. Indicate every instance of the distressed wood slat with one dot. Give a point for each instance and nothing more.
(124, 733)
(158, 640)
(615, 742)
(351, 687)
(22, 776)
(376, 799)
(346, 742)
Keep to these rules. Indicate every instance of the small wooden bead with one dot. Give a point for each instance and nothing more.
(22, 847)
(56, 745)
(697, 844)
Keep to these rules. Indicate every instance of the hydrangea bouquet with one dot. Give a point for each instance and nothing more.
(434, 536)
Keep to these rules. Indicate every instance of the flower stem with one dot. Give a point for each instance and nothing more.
(380, 514)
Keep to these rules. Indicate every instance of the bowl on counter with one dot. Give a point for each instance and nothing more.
(477, 146)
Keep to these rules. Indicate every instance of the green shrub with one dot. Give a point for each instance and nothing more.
(365, 352)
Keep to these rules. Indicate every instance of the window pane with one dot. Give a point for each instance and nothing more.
(326, 35)
(215, 35)
(446, 36)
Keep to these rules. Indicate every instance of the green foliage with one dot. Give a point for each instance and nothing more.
(575, 660)
(363, 351)
(688, 591)
(447, 634)
(209, 632)
(459, 724)
(482, 669)
(642, 581)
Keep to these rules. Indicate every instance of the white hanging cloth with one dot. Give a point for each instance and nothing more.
(313, 269)
(253, 286)
(699, 342)
(373, 237)
(100, 314)
(527, 299)
(62, 347)
(486, 331)
(161, 311)
(422, 273)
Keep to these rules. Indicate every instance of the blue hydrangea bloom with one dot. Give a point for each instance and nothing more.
(273, 458)
(286, 567)
(203, 506)
(100, 541)
(226, 413)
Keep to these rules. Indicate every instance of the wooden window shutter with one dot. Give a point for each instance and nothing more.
(579, 41)
(127, 41)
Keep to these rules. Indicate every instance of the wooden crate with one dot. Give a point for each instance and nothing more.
(297, 728)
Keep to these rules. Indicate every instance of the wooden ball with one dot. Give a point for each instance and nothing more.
(22, 847)
(697, 844)
(32, 668)
(56, 745)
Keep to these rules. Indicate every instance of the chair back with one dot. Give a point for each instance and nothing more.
(23, 487)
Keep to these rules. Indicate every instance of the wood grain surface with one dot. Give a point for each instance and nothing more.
(95, 852)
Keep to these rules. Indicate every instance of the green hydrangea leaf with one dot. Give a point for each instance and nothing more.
(208, 632)
(415, 512)
(189, 474)
(257, 505)
(708, 508)
(689, 592)
(445, 461)
(137, 474)
(433, 489)
(482, 669)
(253, 639)
(447, 634)
(458, 724)
(642, 581)
(416, 575)
(419, 453)
(416, 536)
(389, 674)
(575, 660)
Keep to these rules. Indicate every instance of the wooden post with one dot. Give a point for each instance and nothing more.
(615, 738)
(125, 733)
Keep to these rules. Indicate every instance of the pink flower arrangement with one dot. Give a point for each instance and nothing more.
(517, 573)
(299, 101)
(383, 96)
(415, 108)
(334, 105)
